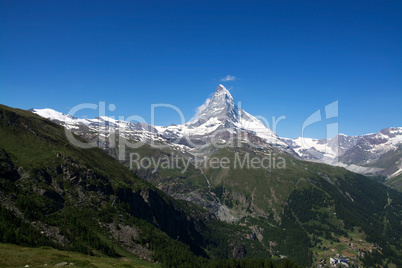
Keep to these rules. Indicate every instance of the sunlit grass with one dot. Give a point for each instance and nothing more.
(17, 256)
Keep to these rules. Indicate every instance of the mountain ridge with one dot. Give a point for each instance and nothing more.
(221, 120)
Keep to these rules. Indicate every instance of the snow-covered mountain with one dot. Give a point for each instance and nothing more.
(221, 121)
(322, 150)
(371, 154)
(72, 122)
(376, 154)
(101, 128)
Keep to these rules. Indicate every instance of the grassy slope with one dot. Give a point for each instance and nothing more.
(33, 144)
(18, 256)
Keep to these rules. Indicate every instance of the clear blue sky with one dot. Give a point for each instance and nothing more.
(288, 57)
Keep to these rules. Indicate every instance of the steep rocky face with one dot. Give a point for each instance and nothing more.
(378, 154)
(341, 143)
(372, 146)
(220, 107)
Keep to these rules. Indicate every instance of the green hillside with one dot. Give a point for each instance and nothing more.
(56, 195)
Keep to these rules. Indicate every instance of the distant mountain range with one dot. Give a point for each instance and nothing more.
(378, 154)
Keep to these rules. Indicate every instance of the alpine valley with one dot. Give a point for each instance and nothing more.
(221, 186)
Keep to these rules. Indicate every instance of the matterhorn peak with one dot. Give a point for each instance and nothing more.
(222, 96)
(222, 113)
(222, 91)
(221, 88)
(221, 103)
